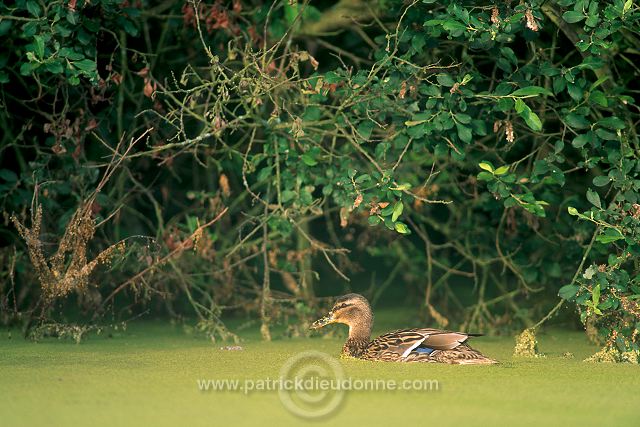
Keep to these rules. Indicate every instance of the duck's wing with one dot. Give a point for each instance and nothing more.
(404, 341)
(443, 340)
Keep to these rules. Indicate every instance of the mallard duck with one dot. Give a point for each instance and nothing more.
(403, 345)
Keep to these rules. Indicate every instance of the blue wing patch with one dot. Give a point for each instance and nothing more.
(426, 350)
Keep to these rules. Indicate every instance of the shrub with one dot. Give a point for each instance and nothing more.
(483, 153)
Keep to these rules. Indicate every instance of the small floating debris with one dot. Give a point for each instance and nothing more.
(527, 345)
(613, 355)
(232, 348)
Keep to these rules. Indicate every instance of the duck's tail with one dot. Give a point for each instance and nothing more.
(465, 355)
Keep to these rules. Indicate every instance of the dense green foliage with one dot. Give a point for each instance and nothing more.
(484, 155)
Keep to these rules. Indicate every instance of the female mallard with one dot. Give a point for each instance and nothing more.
(404, 345)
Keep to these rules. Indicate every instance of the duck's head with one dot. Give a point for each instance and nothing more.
(352, 310)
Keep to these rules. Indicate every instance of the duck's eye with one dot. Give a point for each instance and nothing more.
(341, 306)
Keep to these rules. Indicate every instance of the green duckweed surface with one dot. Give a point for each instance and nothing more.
(147, 375)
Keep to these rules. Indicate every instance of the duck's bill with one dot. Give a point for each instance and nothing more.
(322, 322)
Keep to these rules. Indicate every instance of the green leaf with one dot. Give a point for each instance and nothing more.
(72, 17)
(388, 210)
(568, 292)
(533, 121)
(606, 135)
(575, 92)
(129, 27)
(454, 26)
(576, 121)
(39, 46)
(486, 166)
(374, 220)
(572, 16)
(390, 225)
(27, 68)
(54, 67)
(264, 173)
(5, 26)
(312, 114)
(502, 170)
(65, 52)
(445, 80)
(595, 295)
(559, 84)
(599, 98)
(581, 140)
(505, 104)
(397, 211)
(401, 228)
(610, 235)
(510, 202)
(594, 198)
(613, 123)
(532, 90)
(463, 118)
(365, 128)
(85, 65)
(402, 187)
(363, 178)
(8, 175)
(464, 133)
(485, 176)
(598, 82)
(34, 8)
(572, 211)
(601, 181)
(333, 77)
(308, 160)
(287, 195)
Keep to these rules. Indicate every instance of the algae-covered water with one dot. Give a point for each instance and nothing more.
(148, 375)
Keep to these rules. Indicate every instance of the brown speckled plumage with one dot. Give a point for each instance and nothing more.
(404, 345)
